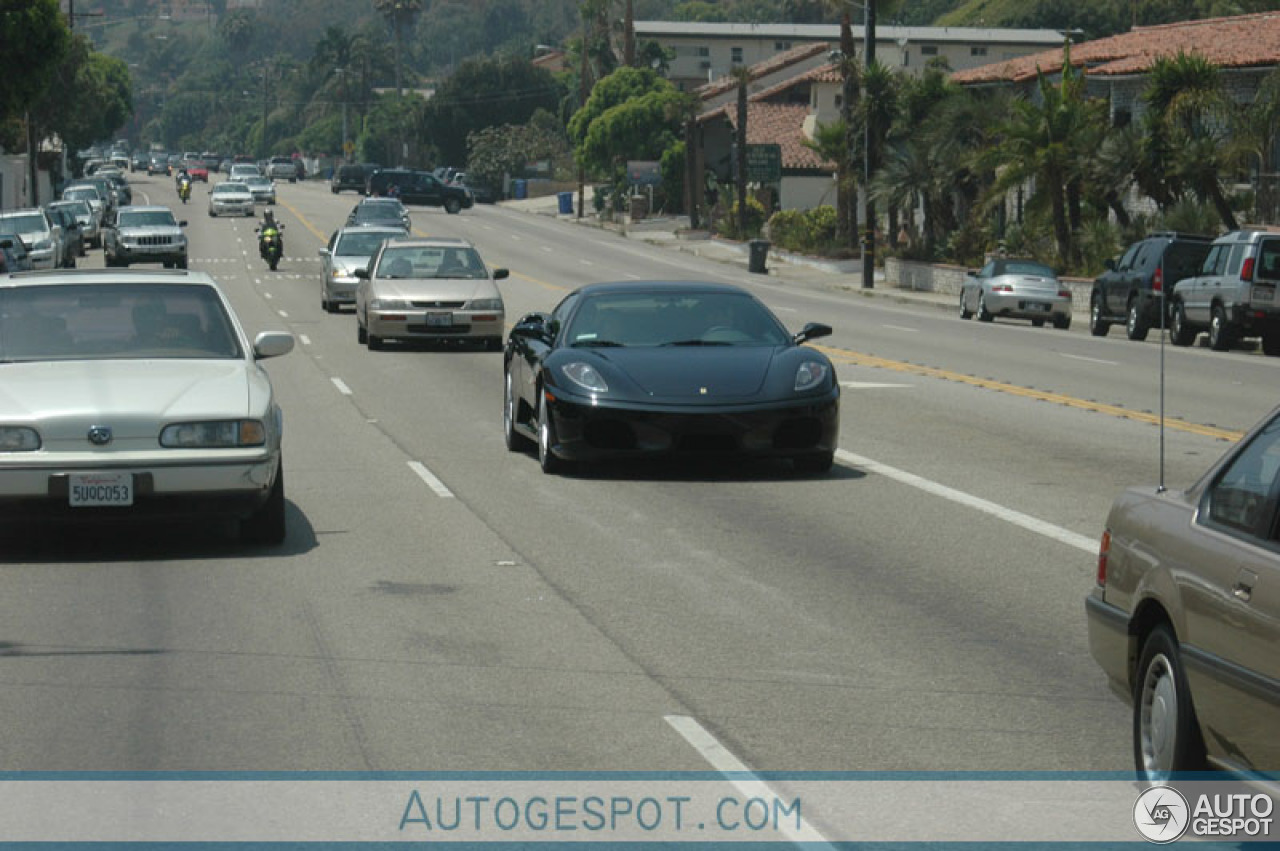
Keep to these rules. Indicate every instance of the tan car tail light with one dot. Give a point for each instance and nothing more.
(1104, 552)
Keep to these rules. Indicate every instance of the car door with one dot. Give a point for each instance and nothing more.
(326, 261)
(1231, 599)
(1112, 284)
(1194, 291)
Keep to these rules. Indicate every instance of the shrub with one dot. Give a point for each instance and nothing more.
(811, 230)
(728, 226)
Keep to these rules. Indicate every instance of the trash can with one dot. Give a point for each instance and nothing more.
(520, 188)
(759, 254)
(566, 203)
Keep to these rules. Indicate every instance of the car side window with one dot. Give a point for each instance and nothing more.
(1127, 260)
(561, 313)
(1243, 498)
(1211, 261)
(1234, 259)
(988, 270)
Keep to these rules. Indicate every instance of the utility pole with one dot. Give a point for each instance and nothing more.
(583, 93)
(346, 156)
(869, 210)
(262, 149)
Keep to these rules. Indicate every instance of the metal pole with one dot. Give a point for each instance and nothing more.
(345, 156)
(583, 93)
(869, 234)
(262, 143)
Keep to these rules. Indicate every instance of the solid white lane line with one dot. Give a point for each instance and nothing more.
(785, 310)
(341, 385)
(1089, 360)
(429, 477)
(306, 341)
(1017, 518)
(741, 777)
(901, 328)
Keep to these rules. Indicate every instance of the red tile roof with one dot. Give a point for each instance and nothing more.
(772, 65)
(777, 124)
(828, 73)
(1242, 41)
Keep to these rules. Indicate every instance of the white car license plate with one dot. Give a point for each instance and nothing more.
(1263, 294)
(91, 489)
(1037, 306)
(438, 320)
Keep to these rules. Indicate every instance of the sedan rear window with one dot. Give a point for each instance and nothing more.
(357, 244)
(113, 322)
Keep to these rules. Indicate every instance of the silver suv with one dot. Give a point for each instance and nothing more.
(1234, 293)
(146, 235)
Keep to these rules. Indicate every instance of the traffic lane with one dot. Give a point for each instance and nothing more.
(425, 641)
(1204, 387)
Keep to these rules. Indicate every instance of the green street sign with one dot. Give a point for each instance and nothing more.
(764, 163)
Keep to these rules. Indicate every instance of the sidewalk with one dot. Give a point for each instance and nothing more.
(783, 267)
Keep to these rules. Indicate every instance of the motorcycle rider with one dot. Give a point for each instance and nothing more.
(270, 239)
(183, 181)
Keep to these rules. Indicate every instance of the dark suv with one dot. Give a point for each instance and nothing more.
(1129, 291)
(420, 187)
(347, 177)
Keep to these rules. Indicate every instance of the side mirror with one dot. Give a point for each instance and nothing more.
(1110, 264)
(500, 273)
(323, 252)
(182, 224)
(271, 344)
(363, 273)
(972, 273)
(812, 331)
(531, 326)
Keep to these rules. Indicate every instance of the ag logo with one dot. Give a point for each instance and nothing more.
(1161, 814)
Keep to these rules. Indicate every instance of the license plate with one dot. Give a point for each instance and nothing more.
(1260, 294)
(91, 489)
(1035, 305)
(438, 320)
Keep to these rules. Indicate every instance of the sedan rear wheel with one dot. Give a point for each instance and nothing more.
(1166, 737)
(1271, 344)
(362, 335)
(984, 315)
(516, 442)
(814, 464)
(546, 438)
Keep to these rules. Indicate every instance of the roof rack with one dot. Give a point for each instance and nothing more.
(1173, 234)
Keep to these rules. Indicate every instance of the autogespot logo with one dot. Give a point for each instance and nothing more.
(1161, 814)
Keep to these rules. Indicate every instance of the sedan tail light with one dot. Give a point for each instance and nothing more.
(1065, 293)
(1002, 288)
(1104, 553)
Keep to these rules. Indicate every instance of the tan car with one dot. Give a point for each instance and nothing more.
(1185, 617)
(432, 289)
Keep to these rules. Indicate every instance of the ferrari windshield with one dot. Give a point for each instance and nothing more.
(145, 219)
(114, 321)
(674, 319)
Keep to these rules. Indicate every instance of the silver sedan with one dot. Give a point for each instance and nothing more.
(136, 395)
(432, 289)
(349, 249)
(1017, 289)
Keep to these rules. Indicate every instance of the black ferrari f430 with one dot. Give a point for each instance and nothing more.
(649, 368)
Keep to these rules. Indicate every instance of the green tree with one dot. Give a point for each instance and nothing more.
(399, 14)
(35, 39)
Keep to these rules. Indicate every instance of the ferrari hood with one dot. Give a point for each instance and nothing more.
(706, 373)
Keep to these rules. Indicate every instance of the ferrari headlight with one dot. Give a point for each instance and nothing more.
(391, 304)
(18, 439)
(585, 375)
(220, 434)
(484, 304)
(811, 374)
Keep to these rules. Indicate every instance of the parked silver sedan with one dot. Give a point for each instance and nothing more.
(349, 249)
(1018, 289)
(135, 395)
(1185, 616)
(429, 289)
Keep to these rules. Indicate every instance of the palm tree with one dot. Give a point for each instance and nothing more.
(742, 75)
(1255, 134)
(398, 13)
(1189, 107)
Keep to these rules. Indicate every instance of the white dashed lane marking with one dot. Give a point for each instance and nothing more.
(341, 385)
(430, 479)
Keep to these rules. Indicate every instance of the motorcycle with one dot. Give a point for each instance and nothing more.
(184, 190)
(271, 244)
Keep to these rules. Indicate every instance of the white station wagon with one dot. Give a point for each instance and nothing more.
(136, 395)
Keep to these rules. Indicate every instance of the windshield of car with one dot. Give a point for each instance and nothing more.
(360, 244)
(230, 189)
(431, 262)
(257, 180)
(24, 222)
(82, 193)
(80, 209)
(145, 218)
(377, 213)
(674, 319)
(114, 322)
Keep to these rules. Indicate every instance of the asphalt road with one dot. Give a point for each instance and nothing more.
(441, 604)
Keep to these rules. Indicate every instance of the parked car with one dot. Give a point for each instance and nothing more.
(263, 189)
(348, 176)
(14, 253)
(91, 194)
(641, 369)
(481, 193)
(1131, 290)
(429, 289)
(173, 415)
(42, 237)
(349, 249)
(1183, 618)
(146, 235)
(1018, 289)
(231, 198)
(72, 236)
(282, 168)
(1234, 293)
(380, 211)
